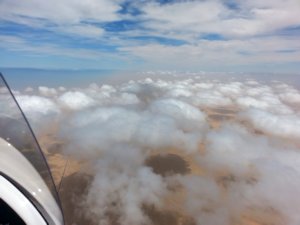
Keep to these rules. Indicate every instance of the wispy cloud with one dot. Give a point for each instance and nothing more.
(73, 17)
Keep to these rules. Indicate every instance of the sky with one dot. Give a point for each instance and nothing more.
(199, 35)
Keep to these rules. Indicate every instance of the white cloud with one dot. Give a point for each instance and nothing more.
(286, 126)
(65, 16)
(39, 110)
(235, 148)
(248, 19)
(75, 100)
(231, 90)
(211, 99)
(174, 16)
(179, 92)
(127, 99)
(48, 92)
(260, 97)
(36, 104)
(289, 95)
(189, 118)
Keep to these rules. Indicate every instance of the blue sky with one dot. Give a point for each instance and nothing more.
(214, 35)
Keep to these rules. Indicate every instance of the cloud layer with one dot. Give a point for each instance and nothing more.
(239, 138)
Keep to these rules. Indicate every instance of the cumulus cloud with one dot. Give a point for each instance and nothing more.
(39, 110)
(234, 148)
(239, 140)
(264, 98)
(288, 94)
(48, 92)
(75, 100)
(37, 105)
(291, 97)
(286, 126)
(211, 99)
(180, 125)
(188, 118)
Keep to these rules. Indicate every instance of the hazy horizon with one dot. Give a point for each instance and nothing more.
(21, 78)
